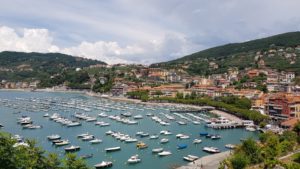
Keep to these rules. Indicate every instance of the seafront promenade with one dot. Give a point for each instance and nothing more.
(207, 162)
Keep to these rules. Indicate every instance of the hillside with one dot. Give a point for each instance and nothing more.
(15, 66)
(279, 51)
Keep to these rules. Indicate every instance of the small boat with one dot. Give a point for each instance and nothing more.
(249, 128)
(190, 158)
(197, 141)
(1, 126)
(196, 122)
(128, 114)
(74, 124)
(181, 123)
(102, 115)
(113, 149)
(157, 150)
(96, 141)
(149, 114)
(179, 135)
(230, 146)
(144, 135)
(82, 135)
(109, 132)
(164, 153)
(62, 143)
(181, 146)
(134, 159)
(208, 136)
(103, 164)
(164, 140)
(46, 115)
(86, 156)
(91, 119)
(184, 137)
(215, 137)
(153, 137)
(88, 138)
(139, 133)
(72, 148)
(211, 149)
(203, 133)
(138, 117)
(131, 140)
(141, 145)
(53, 137)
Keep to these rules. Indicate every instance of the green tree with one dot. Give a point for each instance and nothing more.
(239, 161)
(251, 150)
(71, 162)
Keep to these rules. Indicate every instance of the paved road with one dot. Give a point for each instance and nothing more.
(207, 162)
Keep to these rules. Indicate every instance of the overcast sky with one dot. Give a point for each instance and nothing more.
(139, 31)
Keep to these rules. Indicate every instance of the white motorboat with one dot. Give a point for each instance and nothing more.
(96, 141)
(179, 135)
(82, 135)
(190, 158)
(230, 146)
(88, 138)
(62, 143)
(109, 132)
(164, 140)
(73, 124)
(131, 140)
(72, 148)
(103, 164)
(138, 117)
(153, 137)
(197, 141)
(211, 149)
(54, 137)
(91, 119)
(181, 123)
(113, 149)
(250, 128)
(46, 115)
(196, 122)
(102, 115)
(164, 153)
(157, 150)
(134, 159)
(184, 137)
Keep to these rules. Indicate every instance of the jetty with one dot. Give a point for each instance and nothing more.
(207, 162)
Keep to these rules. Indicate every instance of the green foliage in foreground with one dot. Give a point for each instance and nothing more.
(239, 107)
(33, 157)
(266, 152)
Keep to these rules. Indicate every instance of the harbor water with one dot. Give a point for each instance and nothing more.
(14, 104)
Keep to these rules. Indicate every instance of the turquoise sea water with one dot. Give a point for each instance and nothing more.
(29, 105)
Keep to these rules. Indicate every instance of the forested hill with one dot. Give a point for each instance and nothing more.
(16, 66)
(279, 51)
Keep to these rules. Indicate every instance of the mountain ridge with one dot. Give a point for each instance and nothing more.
(244, 51)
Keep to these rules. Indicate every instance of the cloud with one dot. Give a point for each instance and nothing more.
(31, 40)
(141, 31)
(168, 47)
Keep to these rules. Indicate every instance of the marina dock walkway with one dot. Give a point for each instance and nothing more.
(207, 162)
